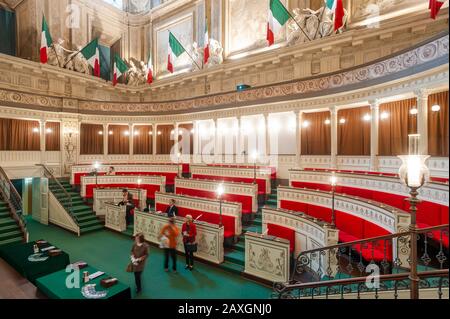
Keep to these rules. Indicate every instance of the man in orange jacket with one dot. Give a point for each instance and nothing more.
(170, 232)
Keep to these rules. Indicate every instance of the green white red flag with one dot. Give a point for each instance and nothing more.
(150, 70)
(120, 68)
(46, 41)
(337, 7)
(175, 50)
(92, 54)
(278, 16)
(206, 47)
(434, 6)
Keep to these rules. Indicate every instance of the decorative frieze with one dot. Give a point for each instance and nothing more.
(115, 217)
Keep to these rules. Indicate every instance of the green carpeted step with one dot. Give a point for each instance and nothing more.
(9, 228)
(6, 222)
(233, 268)
(86, 230)
(5, 214)
(83, 214)
(11, 234)
(235, 257)
(82, 219)
(257, 222)
(81, 208)
(254, 229)
(240, 246)
(88, 223)
(11, 241)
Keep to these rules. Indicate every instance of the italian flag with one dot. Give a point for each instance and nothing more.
(46, 41)
(119, 69)
(435, 6)
(338, 11)
(175, 50)
(92, 55)
(278, 16)
(149, 70)
(206, 48)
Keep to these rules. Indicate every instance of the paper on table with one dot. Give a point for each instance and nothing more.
(96, 275)
(48, 248)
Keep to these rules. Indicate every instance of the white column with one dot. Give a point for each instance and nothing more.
(154, 139)
(267, 130)
(216, 142)
(131, 140)
(42, 134)
(240, 140)
(374, 132)
(422, 120)
(298, 138)
(176, 137)
(105, 140)
(196, 145)
(334, 136)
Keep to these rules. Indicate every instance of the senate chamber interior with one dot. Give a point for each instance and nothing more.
(224, 149)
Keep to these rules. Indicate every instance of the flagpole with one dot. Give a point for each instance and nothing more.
(320, 21)
(56, 54)
(78, 52)
(185, 50)
(309, 39)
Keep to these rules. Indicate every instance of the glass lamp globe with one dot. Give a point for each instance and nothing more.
(414, 172)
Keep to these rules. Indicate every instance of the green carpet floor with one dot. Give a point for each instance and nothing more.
(109, 252)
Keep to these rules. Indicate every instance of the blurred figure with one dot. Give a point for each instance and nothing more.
(189, 231)
(139, 254)
(111, 171)
(168, 238)
(129, 203)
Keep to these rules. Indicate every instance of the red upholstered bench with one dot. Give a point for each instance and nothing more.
(170, 177)
(228, 222)
(261, 182)
(151, 189)
(282, 232)
(246, 201)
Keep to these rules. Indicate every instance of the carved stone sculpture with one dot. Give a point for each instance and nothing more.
(197, 55)
(58, 55)
(215, 54)
(315, 24)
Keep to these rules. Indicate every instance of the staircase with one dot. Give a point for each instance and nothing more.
(82, 213)
(12, 225)
(235, 256)
(10, 232)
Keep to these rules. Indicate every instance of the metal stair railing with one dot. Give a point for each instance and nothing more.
(66, 201)
(14, 200)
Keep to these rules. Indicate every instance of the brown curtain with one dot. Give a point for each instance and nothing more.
(52, 137)
(186, 131)
(22, 136)
(394, 131)
(438, 125)
(90, 139)
(5, 134)
(118, 139)
(165, 139)
(316, 137)
(354, 134)
(143, 140)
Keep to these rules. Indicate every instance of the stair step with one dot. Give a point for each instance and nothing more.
(82, 219)
(89, 223)
(8, 228)
(12, 234)
(257, 222)
(86, 230)
(235, 257)
(83, 214)
(240, 246)
(11, 241)
(6, 222)
(234, 268)
(4, 214)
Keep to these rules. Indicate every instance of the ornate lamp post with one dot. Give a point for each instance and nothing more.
(414, 174)
(220, 192)
(333, 182)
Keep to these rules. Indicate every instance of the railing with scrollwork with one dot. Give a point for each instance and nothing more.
(390, 253)
(14, 200)
(66, 199)
(351, 262)
(392, 286)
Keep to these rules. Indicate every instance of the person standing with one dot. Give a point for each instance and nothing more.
(129, 203)
(171, 232)
(172, 210)
(189, 231)
(139, 254)
(111, 171)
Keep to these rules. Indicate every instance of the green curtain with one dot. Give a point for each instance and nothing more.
(105, 62)
(7, 32)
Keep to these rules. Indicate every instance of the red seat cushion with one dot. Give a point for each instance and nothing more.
(282, 232)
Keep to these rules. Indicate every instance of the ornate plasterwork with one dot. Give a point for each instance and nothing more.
(424, 57)
(432, 192)
(229, 188)
(205, 205)
(382, 215)
(209, 236)
(115, 217)
(108, 180)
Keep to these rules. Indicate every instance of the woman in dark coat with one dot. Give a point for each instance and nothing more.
(139, 254)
